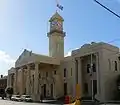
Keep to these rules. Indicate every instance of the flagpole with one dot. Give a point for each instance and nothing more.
(56, 5)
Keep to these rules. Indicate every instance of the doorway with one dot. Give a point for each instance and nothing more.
(44, 89)
(65, 89)
(51, 90)
(94, 87)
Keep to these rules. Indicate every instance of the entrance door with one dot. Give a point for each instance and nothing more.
(51, 90)
(44, 88)
(65, 88)
(94, 87)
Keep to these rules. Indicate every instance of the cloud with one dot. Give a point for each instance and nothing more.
(69, 53)
(6, 58)
(6, 62)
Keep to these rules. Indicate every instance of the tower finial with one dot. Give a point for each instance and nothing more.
(56, 16)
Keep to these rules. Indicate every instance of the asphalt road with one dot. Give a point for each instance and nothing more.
(8, 102)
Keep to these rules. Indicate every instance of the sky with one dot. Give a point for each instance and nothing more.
(24, 25)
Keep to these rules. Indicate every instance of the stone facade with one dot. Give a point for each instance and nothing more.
(55, 75)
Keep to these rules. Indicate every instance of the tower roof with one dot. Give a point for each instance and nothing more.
(56, 16)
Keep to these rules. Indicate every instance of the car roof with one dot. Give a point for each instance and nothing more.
(16, 95)
(25, 95)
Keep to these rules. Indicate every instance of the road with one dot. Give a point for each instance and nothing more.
(8, 102)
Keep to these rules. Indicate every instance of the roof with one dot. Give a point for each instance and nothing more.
(56, 16)
(33, 57)
(93, 46)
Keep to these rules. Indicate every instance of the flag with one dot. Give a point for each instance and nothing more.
(60, 6)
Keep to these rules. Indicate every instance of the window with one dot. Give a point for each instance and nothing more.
(65, 72)
(94, 67)
(85, 88)
(33, 83)
(71, 71)
(88, 68)
(115, 65)
(46, 74)
(32, 67)
(109, 64)
(55, 72)
(39, 76)
(33, 77)
(76, 63)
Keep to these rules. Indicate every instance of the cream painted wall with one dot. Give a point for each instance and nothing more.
(56, 45)
(105, 76)
(67, 64)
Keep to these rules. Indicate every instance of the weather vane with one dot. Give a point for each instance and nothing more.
(58, 6)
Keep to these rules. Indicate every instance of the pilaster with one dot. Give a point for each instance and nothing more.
(36, 82)
(22, 81)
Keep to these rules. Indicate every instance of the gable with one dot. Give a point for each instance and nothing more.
(24, 55)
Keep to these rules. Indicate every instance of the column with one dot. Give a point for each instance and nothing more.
(28, 80)
(37, 96)
(74, 77)
(15, 87)
(80, 81)
(98, 75)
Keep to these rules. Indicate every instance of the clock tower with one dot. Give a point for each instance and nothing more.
(56, 36)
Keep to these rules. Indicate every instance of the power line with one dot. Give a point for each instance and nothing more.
(114, 40)
(107, 9)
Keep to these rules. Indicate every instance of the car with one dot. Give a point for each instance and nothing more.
(13, 97)
(23, 97)
(26, 98)
(16, 98)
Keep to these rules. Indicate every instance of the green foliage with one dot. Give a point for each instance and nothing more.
(9, 90)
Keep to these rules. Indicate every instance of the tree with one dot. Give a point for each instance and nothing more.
(9, 91)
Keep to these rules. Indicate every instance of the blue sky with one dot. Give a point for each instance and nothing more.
(23, 24)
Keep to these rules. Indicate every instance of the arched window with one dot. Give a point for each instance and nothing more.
(94, 67)
(65, 72)
(88, 68)
(115, 65)
(39, 76)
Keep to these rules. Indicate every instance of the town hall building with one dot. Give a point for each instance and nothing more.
(94, 67)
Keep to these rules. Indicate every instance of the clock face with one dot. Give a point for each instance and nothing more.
(59, 24)
(56, 24)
